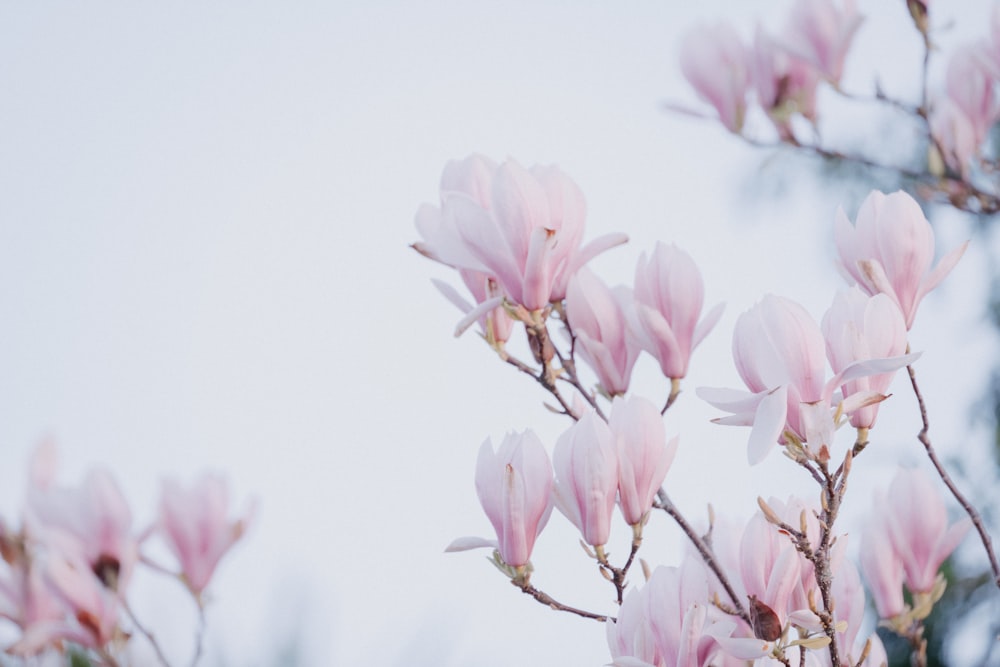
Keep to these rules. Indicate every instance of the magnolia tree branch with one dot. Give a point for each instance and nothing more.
(548, 601)
(704, 550)
(616, 575)
(977, 520)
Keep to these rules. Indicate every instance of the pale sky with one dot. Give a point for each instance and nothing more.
(204, 264)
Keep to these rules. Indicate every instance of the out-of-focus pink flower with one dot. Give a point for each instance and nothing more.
(955, 135)
(586, 468)
(918, 526)
(970, 85)
(92, 609)
(858, 328)
(880, 564)
(820, 32)
(514, 485)
(713, 60)
(194, 523)
(890, 250)
(785, 84)
(644, 455)
(91, 522)
(989, 50)
(668, 300)
(597, 316)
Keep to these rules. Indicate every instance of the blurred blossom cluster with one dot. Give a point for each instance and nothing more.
(68, 567)
(780, 73)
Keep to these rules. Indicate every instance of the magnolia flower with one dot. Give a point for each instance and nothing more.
(780, 354)
(713, 60)
(954, 135)
(785, 85)
(597, 315)
(668, 301)
(970, 85)
(859, 328)
(586, 469)
(880, 564)
(471, 177)
(630, 638)
(918, 527)
(820, 32)
(91, 522)
(514, 485)
(890, 250)
(194, 523)
(644, 455)
(91, 609)
(527, 235)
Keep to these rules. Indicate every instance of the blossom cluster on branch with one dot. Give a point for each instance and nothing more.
(780, 589)
(778, 77)
(68, 567)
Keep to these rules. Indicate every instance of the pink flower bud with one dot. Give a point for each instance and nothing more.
(586, 468)
(918, 527)
(597, 315)
(955, 136)
(821, 33)
(785, 85)
(514, 485)
(881, 565)
(859, 328)
(668, 301)
(713, 60)
(194, 523)
(644, 455)
(970, 85)
(890, 250)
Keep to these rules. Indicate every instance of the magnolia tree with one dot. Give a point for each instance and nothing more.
(781, 588)
(67, 570)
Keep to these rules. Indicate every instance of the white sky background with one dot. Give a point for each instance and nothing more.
(204, 218)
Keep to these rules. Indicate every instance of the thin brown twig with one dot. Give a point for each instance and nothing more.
(977, 520)
(707, 556)
(145, 633)
(548, 601)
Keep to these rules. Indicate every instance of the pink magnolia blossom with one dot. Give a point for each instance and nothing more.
(713, 60)
(92, 610)
(880, 564)
(644, 455)
(918, 527)
(630, 637)
(785, 85)
(770, 567)
(514, 485)
(597, 315)
(970, 85)
(668, 302)
(527, 234)
(442, 242)
(859, 328)
(820, 32)
(194, 523)
(780, 354)
(91, 522)
(890, 250)
(955, 136)
(586, 469)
